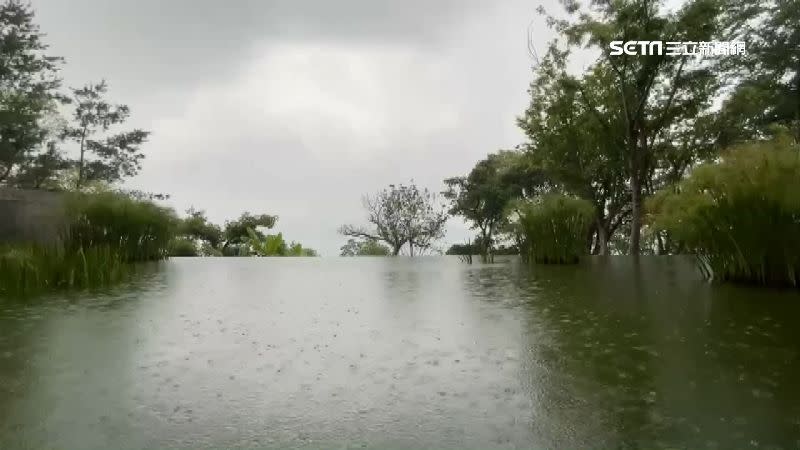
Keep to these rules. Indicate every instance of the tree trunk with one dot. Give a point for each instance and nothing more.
(80, 163)
(637, 171)
(602, 238)
(396, 250)
(636, 215)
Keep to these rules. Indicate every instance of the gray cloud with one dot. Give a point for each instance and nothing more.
(299, 108)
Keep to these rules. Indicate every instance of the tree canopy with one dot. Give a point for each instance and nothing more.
(401, 215)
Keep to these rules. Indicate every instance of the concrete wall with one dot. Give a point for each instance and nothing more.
(31, 215)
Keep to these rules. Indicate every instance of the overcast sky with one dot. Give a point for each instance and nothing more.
(298, 108)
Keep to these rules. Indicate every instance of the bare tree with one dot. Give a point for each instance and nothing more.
(401, 215)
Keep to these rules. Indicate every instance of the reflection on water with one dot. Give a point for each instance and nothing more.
(381, 352)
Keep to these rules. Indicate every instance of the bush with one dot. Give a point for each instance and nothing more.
(183, 247)
(104, 233)
(139, 230)
(29, 269)
(553, 228)
(740, 216)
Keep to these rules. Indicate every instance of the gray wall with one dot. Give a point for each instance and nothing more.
(30, 215)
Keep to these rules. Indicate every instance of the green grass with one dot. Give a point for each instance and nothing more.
(104, 235)
(554, 228)
(32, 269)
(741, 216)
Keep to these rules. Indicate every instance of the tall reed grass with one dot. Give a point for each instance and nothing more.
(553, 228)
(740, 216)
(103, 235)
(139, 230)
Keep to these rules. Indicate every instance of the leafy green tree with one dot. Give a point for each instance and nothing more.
(401, 215)
(103, 156)
(767, 78)
(655, 94)
(42, 170)
(367, 247)
(197, 227)
(481, 197)
(29, 86)
(236, 231)
(579, 154)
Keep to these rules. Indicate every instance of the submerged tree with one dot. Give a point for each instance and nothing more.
(103, 156)
(655, 95)
(401, 215)
(236, 231)
(481, 197)
(366, 247)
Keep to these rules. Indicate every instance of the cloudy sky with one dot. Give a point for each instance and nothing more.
(298, 108)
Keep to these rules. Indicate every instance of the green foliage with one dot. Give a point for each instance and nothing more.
(367, 247)
(137, 230)
(183, 247)
(275, 245)
(28, 87)
(463, 250)
(741, 216)
(402, 215)
(197, 227)
(239, 231)
(104, 233)
(768, 92)
(114, 156)
(32, 269)
(483, 195)
(553, 228)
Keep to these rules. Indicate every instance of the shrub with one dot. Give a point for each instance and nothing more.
(553, 228)
(740, 216)
(183, 247)
(29, 269)
(139, 230)
(104, 233)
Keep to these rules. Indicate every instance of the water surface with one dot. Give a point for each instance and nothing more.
(401, 353)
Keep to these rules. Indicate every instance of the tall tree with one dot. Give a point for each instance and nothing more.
(29, 85)
(656, 93)
(481, 197)
(113, 156)
(401, 215)
(580, 154)
(197, 227)
(767, 79)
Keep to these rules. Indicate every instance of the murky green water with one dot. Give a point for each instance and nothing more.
(377, 353)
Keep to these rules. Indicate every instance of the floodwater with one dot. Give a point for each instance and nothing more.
(400, 353)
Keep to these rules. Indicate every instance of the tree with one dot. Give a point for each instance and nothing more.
(236, 231)
(115, 155)
(367, 247)
(401, 215)
(767, 78)
(197, 226)
(41, 170)
(579, 154)
(481, 197)
(655, 94)
(29, 85)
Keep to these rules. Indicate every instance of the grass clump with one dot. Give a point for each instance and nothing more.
(553, 228)
(104, 234)
(739, 216)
